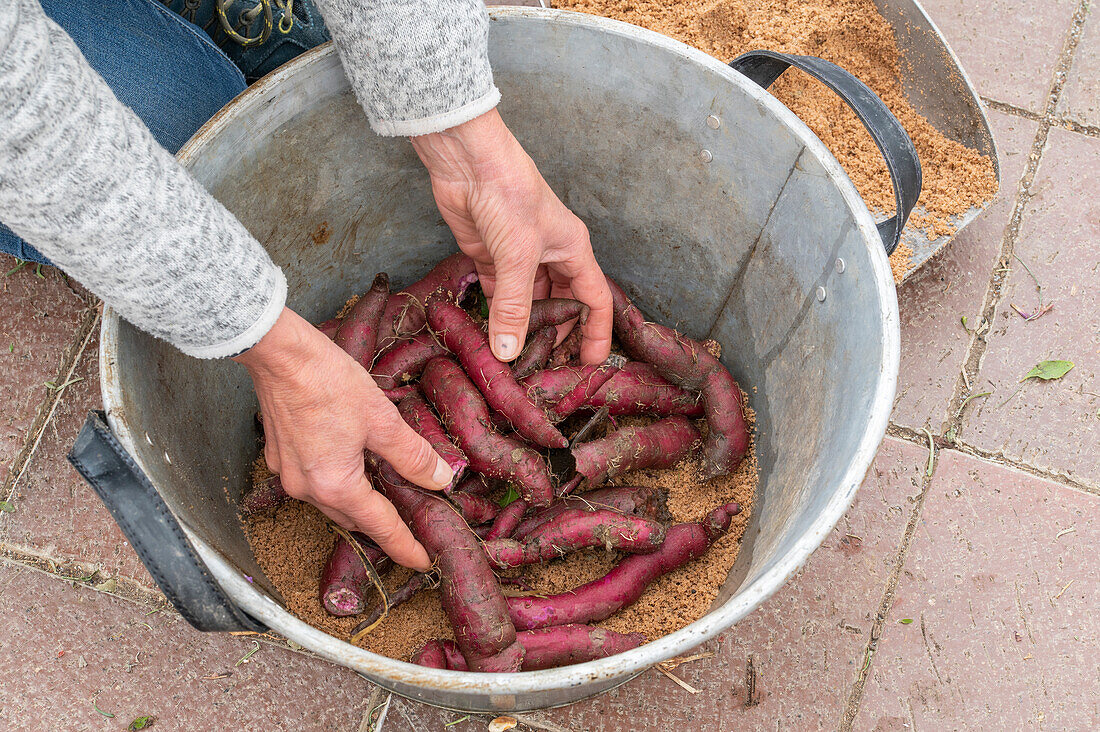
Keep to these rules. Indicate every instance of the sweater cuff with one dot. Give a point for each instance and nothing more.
(254, 333)
(438, 122)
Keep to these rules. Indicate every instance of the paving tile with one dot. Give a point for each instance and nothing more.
(1009, 48)
(933, 341)
(56, 512)
(1081, 96)
(37, 321)
(806, 642)
(1000, 639)
(1052, 425)
(63, 647)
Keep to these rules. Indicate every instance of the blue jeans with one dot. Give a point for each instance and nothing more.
(165, 69)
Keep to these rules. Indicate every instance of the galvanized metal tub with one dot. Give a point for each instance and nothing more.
(767, 247)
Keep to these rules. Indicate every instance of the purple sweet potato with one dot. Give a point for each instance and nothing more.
(639, 389)
(575, 529)
(418, 415)
(586, 387)
(555, 311)
(507, 520)
(345, 584)
(267, 494)
(404, 313)
(466, 417)
(543, 648)
(688, 364)
(536, 352)
(404, 361)
(568, 644)
(358, 331)
(476, 484)
(493, 379)
(625, 583)
(399, 393)
(329, 327)
(547, 386)
(475, 509)
(636, 389)
(630, 500)
(568, 350)
(659, 445)
(431, 655)
(470, 593)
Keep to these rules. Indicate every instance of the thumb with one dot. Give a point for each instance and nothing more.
(510, 309)
(411, 455)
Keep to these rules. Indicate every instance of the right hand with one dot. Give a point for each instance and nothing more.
(321, 410)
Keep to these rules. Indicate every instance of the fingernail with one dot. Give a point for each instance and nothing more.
(443, 474)
(506, 346)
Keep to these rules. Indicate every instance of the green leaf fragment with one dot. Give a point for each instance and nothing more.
(7, 507)
(250, 654)
(508, 497)
(141, 723)
(460, 719)
(108, 715)
(905, 621)
(1049, 370)
(20, 264)
(971, 397)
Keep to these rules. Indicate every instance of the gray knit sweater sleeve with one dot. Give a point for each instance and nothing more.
(417, 66)
(83, 181)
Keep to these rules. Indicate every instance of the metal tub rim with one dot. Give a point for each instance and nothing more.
(623, 666)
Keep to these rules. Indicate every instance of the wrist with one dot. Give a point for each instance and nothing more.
(474, 150)
(282, 349)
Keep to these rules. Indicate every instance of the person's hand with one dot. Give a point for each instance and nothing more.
(321, 410)
(524, 241)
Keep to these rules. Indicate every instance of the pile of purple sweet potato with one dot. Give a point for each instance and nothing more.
(497, 423)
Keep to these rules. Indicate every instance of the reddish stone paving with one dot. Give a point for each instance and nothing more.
(1001, 589)
(1009, 48)
(1081, 102)
(993, 546)
(953, 285)
(57, 513)
(64, 649)
(37, 320)
(1053, 425)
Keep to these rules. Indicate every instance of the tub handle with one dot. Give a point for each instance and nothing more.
(764, 67)
(153, 531)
